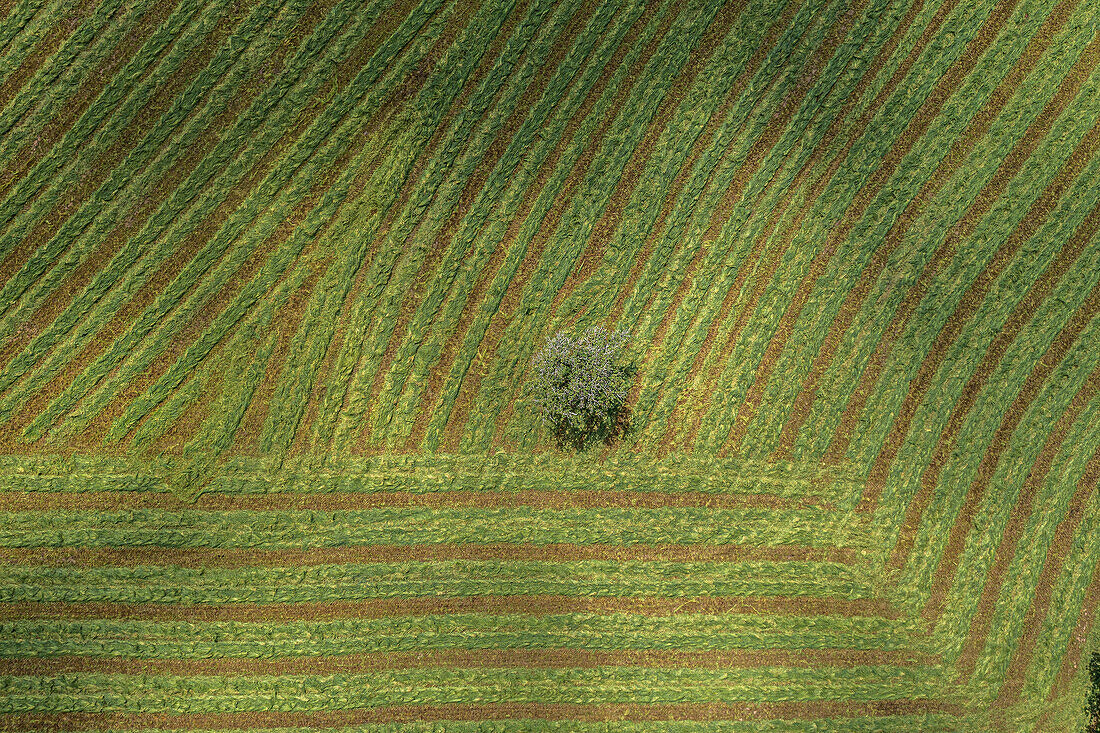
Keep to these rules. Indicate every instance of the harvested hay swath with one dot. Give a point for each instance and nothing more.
(272, 273)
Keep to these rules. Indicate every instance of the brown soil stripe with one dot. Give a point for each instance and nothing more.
(773, 131)
(596, 247)
(1025, 310)
(471, 382)
(469, 659)
(253, 421)
(947, 85)
(949, 560)
(536, 605)
(37, 403)
(23, 501)
(54, 302)
(414, 294)
(207, 557)
(490, 157)
(572, 186)
(960, 149)
(1059, 550)
(1036, 215)
(751, 67)
(485, 711)
(601, 232)
(1013, 533)
(205, 315)
(45, 48)
(497, 148)
(822, 181)
(734, 291)
(53, 131)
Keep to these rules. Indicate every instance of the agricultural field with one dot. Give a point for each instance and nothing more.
(273, 272)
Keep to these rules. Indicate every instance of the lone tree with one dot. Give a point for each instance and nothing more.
(579, 386)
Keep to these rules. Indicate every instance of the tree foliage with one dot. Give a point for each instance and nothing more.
(580, 385)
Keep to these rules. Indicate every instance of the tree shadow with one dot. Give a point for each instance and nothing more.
(609, 429)
(1092, 702)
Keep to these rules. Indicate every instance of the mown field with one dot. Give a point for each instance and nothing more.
(272, 273)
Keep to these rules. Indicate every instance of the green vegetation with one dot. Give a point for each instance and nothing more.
(289, 289)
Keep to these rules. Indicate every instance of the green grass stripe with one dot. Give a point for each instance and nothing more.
(422, 473)
(97, 303)
(1012, 470)
(392, 155)
(503, 98)
(458, 578)
(353, 383)
(572, 222)
(931, 147)
(170, 640)
(25, 25)
(114, 110)
(251, 349)
(981, 543)
(873, 144)
(683, 237)
(268, 277)
(977, 430)
(303, 147)
(1066, 601)
(882, 213)
(388, 276)
(949, 204)
(949, 286)
(54, 81)
(388, 317)
(534, 141)
(596, 685)
(762, 194)
(416, 473)
(489, 92)
(248, 351)
(29, 121)
(929, 723)
(142, 167)
(715, 169)
(1022, 576)
(846, 130)
(286, 184)
(414, 526)
(569, 239)
(701, 102)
